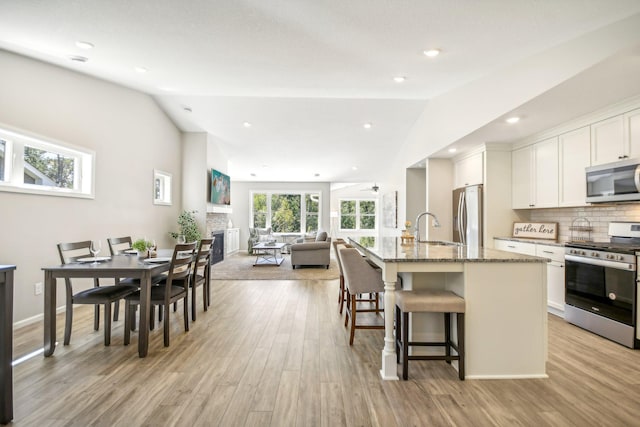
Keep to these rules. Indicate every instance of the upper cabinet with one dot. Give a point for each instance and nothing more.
(607, 141)
(574, 157)
(468, 171)
(535, 175)
(632, 132)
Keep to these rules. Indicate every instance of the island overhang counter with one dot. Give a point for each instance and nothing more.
(505, 296)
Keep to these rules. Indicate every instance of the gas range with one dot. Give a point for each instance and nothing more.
(622, 247)
(601, 284)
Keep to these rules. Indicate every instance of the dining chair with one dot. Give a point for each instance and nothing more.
(360, 278)
(118, 245)
(173, 288)
(201, 275)
(105, 295)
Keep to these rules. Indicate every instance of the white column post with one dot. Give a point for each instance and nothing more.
(389, 370)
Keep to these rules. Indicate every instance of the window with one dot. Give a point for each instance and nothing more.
(358, 214)
(286, 212)
(30, 164)
(161, 188)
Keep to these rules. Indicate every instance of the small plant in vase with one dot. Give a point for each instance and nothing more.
(188, 227)
(141, 245)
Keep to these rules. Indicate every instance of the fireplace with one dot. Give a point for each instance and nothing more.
(217, 250)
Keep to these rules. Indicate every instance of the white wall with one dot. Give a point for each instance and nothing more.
(241, 203)
(130, 136)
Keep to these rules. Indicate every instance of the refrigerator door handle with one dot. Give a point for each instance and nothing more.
(463, 218)
(459, 216)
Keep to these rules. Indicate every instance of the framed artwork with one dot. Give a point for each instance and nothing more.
(161, 188)
(390, 209)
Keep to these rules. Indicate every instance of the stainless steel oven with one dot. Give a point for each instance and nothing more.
(601, 287)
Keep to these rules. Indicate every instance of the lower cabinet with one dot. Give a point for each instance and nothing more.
(232, 240)
(555, 276)
(555, 268)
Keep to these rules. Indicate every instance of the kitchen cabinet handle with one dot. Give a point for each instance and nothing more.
(548, 252)
(510, 246)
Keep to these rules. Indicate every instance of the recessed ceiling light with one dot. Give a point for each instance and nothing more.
(355, 168)
(264, 165)
(399, 79)
(140, 69)
(453, 150)
(512, 120)
(246, 124)
(84, 45)
(79, 58)
(316, 174)
(367, 125)
(252, 174)
(431, 53)
(187, 108)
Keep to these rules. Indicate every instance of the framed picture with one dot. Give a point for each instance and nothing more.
(161, 188)
(390, 209)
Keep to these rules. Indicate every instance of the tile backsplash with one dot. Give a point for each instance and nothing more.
(599, 217)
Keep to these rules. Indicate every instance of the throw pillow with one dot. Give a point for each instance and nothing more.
(321, 237)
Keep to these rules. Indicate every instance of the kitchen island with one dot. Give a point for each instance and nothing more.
(505, 295)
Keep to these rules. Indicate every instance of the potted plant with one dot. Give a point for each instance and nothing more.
(141, 245)
(188, 227)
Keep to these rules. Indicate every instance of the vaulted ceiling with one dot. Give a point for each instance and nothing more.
(286, 87)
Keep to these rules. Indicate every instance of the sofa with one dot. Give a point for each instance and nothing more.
(257, 235)
(315, 253)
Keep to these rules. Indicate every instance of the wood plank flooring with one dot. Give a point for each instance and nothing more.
(276, 353)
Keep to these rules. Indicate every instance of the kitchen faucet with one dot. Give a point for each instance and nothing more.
(436, 223)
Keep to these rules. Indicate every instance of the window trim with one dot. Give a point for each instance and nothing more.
(357, 215)
(16, 139)
(303, 207)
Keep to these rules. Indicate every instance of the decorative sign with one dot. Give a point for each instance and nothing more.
(536, 230)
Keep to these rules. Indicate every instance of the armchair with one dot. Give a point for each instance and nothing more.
(312, 253)
(257, 235)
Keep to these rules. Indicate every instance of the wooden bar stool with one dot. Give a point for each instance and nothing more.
(429, 301)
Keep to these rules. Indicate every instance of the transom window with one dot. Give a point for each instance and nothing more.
(358, 214)
(285, 212)
(33, 165)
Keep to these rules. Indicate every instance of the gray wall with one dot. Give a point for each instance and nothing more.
(130, 136)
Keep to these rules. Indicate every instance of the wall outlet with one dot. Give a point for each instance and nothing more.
(37, 289)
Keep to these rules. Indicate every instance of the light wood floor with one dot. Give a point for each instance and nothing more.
(276, 353)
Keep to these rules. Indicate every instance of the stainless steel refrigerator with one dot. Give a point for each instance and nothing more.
(467, 215)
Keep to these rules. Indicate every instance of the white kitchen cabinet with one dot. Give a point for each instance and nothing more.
(521, 178)
(555, 276)
(232, 240)
(535, 175)
(574, 156)
(632, 132)
(607, 141)
(468, 171)
(514, 246)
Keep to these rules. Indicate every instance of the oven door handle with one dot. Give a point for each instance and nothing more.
(601, 263)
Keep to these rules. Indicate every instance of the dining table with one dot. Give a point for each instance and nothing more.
(114, 267)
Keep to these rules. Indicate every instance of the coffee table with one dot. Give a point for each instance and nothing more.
(267, 253)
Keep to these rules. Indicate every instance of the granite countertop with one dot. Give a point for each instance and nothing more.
(391, 249)
(538, 241)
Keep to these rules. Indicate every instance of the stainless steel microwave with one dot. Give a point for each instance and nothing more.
(614, 182)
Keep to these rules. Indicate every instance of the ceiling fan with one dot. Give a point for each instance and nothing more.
(374, 188)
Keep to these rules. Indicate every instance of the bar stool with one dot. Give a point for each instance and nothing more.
(429, 301)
